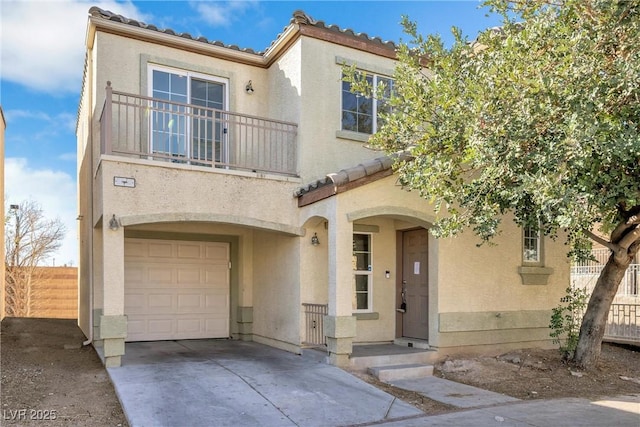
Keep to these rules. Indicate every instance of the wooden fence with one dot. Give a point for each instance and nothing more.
(53, 295)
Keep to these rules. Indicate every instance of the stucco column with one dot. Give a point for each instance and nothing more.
(244, 309)
(113, 323)
(340, 324)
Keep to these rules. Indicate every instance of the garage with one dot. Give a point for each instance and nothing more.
(176, 289)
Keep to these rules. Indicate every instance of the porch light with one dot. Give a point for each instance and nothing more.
(314, 239)
(113, 223)
(249, 88)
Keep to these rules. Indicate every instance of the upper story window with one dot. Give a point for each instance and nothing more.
(188, 132)
(362, 269)
(362, 114)
(531, 245)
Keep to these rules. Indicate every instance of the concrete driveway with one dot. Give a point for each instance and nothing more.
(235, 383)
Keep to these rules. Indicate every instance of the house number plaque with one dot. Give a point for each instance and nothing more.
(120, 181)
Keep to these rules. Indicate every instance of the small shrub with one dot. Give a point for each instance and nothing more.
(565, 320)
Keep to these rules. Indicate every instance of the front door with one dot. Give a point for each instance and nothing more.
(415, 284)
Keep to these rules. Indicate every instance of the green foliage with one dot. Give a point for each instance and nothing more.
(539, 119)
(565, 320)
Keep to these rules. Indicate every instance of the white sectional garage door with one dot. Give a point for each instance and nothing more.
(176, 289)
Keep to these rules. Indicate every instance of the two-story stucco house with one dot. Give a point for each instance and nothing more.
(230, 193)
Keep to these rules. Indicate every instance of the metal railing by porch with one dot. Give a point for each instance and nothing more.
(314, 324)
(623, 324)
(158, 129)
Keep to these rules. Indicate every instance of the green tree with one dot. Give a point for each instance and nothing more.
(539, 119)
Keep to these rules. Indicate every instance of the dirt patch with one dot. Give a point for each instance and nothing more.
(531, 374)
(542, 374)
(49, 379)
(425, 404)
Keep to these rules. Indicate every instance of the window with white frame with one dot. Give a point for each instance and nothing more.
(531, 245)
(362, 268)
(361, 113)
(188, 132)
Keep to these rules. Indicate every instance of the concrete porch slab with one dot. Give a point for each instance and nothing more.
(453, 393)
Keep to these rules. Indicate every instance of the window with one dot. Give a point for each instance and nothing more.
(531, 245)
(187, 132)
(362, 114)
(362, 287)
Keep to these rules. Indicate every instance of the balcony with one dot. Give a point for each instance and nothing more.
(156, 129)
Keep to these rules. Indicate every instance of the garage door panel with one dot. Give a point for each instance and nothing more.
(157, 302)
(160, 275)
(217, 253)
(189, 275)
(134, 275)
(189, 250)
(134, 249)
(160, 250)
(160, 326)
(135, 303)
(190, 302)
(216, 276)
(136, 327)
(217, 327)
(189, 325)
(180, 297)
(216, 303)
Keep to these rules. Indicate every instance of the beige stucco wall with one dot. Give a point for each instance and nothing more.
(321, 152)
(477, 296)
(276, 307)
(303, 86)
(124, 62)
(165, 192)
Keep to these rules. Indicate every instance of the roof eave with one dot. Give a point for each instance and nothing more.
(170, 40)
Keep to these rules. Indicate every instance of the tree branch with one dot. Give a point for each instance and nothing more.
(630, 238)
(614, 247)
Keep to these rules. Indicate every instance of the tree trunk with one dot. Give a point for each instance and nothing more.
(595, 318)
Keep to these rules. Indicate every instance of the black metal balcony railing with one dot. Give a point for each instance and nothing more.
(157, 129)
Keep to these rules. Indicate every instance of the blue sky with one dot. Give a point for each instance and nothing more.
(42, 54)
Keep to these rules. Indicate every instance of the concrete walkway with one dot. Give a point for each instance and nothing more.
(235, 383)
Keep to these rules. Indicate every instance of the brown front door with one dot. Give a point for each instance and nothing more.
(415, 283)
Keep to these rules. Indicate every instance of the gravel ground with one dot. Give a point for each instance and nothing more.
(49, 379)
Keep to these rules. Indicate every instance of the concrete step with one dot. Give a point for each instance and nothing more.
(365, 356)
(412, 343)
(401, 372)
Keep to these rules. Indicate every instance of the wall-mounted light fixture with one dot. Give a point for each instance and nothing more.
(113, 223)
(314, 239)
(249, 88)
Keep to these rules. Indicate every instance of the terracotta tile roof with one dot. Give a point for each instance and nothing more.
(110, 16)
(350, 175)
(299, 18)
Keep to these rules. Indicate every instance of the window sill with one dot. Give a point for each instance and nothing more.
(535, 275)
(367, 316)
(354, 136)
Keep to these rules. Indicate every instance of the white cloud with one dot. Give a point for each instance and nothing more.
(55, 191)
(43, 41)
(222, 14)
(68, 157)
(54, 124)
